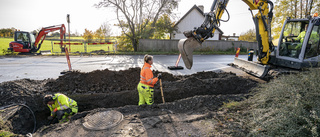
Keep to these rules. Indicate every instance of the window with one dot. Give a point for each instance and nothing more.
(312, 48)
(23, 37)
(292, 39)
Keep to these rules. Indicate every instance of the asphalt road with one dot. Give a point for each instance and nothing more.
(43, 67)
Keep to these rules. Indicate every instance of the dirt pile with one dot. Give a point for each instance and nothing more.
(99, 81)
(113, 89)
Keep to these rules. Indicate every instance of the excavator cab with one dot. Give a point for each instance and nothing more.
(298, 43)
(23, 42)
(25, 38)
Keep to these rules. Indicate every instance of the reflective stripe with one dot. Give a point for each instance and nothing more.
(70, 100)
(142, 76)
(58, 101)
(146, 68)
(64, 107)
(151, 81)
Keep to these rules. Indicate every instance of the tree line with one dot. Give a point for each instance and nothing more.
(103, 32)
(7, 32)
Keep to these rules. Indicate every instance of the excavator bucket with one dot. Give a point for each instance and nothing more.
(186, 47)
(251, 67)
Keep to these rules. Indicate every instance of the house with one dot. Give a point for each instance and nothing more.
(193, 18)
(230, 38)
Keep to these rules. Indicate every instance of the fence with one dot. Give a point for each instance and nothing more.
(155, 45)
(82, 46)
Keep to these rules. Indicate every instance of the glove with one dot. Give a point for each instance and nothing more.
(55, 110)
(50, 117)
(159, 76)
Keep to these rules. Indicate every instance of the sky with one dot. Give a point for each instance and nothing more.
(29, 15)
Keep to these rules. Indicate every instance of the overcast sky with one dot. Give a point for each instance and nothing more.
(28, 15)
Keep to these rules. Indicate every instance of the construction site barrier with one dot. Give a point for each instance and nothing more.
(82, 46)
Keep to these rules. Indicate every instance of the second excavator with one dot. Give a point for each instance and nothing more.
(298, 42)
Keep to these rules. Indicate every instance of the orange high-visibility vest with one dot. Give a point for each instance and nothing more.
(146, 76)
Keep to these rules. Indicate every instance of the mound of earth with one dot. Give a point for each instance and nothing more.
(188, 96)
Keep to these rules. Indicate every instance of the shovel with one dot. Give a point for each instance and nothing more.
(162, 92)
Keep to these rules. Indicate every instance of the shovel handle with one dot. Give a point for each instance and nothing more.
(162, 92)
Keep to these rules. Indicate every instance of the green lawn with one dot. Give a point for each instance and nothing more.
(4, 44)
(47, 45)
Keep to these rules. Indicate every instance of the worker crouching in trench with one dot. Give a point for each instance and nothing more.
(61, 107)
(147, 81)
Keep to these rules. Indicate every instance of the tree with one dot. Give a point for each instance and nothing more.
(55, 34)
(99, 34)
(106, 30)
(88, 35)
(249, 36)
(134, 15)
(163, 26)
(8, 32)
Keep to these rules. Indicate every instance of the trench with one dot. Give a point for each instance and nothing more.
(107, 93)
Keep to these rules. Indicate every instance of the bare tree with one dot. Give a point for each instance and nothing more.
(106, 29)
(134, 15)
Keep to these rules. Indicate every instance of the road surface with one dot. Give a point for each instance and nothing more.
(43, 67)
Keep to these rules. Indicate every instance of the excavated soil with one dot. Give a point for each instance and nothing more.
(194, 97)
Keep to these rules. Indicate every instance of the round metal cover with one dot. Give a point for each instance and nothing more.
(103, 120)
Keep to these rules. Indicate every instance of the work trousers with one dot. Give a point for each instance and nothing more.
(145, 94)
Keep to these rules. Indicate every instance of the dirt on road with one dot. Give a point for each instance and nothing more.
(192, 102)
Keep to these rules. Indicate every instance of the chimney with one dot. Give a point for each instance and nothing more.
(201, 8)
(234, 34)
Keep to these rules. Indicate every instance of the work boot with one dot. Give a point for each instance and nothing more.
(142, 106)
(153, 106)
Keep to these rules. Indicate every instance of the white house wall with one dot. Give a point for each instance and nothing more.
(193, 19)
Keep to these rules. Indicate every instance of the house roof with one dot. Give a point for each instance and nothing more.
(199, 10)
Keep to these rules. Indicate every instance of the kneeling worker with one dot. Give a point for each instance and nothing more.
(147, 81)
(61, 107)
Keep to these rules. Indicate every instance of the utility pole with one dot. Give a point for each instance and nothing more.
(68, 20)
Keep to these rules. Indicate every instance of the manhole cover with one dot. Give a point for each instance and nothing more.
(103, 120)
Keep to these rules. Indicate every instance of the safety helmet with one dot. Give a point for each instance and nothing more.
(147, 58)
(47, 98)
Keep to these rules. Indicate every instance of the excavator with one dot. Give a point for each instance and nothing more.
(25, 42)
(298, 45)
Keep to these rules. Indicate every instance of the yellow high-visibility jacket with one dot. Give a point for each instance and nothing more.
(62, 102)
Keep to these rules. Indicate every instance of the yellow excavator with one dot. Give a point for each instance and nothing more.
(298, 45)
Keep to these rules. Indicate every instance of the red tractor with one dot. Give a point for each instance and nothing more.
(26, 42)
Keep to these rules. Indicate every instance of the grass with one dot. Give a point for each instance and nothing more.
(47, 45)
(4, 130)
(286, 106)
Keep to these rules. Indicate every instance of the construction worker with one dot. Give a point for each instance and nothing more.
(147, 81)
(61, 107)
(314, 37)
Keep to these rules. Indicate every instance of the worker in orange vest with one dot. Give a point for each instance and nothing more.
(147, 81)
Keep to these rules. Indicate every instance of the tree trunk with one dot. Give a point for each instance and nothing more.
(134, 44)
(295, 9)
(306, 10)
(301, 11)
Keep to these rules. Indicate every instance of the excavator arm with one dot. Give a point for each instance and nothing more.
(44, 31)
(213, 20)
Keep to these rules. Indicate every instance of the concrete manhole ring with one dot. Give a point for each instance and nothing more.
(102, 120)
